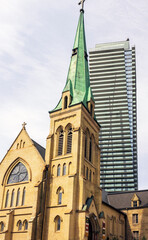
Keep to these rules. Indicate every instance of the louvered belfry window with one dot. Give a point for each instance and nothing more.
(85, 146)
(69, 140)
(90, 150)
(60, 146)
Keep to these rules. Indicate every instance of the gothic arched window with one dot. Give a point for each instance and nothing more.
(90, 150)
(25, 225)
(7, 199)
(64, 169)
(59, 170)
(87, 173)
(12, 198)
(65, 102)
(19, 224)
(2, 226)
(18, 197)
(85, 153)
(18, 174)
(23, 197)
(57, 223)
(69, 140)
(90, 176)
(60, 145)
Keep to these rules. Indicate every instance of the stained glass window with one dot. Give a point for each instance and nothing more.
(18, 174)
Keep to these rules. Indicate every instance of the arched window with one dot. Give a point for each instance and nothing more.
(60, 145)
(69, 140)
(60, 197)
(19, 224)
(18, 197)
(18, 174)
(2, 226)
(59, 170)
(87, 173)
(84, 171)
(90, 150)
(65, 102)
(60, 192)
(90, 176)
(57, 223)
(23, 196)
(12, 198)
(21, 143)
(53, 170)
(25, 225)
(85, 153)
(69, 168)
(7, 199)
(64, 169)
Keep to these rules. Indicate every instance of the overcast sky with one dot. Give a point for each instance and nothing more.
(36, 39)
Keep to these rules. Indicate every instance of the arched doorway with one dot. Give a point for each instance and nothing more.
(90, 231)
(93, 227)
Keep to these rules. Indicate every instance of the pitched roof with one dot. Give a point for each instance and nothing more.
(40, 149)
(78, 82)
(122, 200)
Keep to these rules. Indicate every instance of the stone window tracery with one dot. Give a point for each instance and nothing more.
(18, 174)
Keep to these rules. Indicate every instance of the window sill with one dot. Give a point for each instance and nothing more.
(90, 163)
(62, 157)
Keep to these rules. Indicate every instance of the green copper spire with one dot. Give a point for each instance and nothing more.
(78, 75)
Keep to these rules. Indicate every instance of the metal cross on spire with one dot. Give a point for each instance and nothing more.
(82, 3)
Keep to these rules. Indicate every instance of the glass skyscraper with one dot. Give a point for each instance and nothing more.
(113, 83)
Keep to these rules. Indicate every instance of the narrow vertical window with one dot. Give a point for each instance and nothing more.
(69, 141)
(60, 198)
(59, 170)
(87, 173)
(65, 102)
(69, 168)
(84, 171)
(12, 198)
(18, 197)
(25, 225)
(1, 226)
(90, 176)
(85, 154)
(53, 170)
(58, 224)
(7, 199)
(90, 150)
(64, 169)
(60, 145)
(19, 225)
(23, 196)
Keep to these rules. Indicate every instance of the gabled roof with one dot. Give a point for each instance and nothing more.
(78, 82)
(123, 200)
(40, 149)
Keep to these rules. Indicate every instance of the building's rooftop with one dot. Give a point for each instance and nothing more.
(122, 200)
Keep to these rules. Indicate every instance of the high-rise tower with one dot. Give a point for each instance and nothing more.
(113, 83)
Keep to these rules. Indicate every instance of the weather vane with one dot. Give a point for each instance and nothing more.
(82, 3)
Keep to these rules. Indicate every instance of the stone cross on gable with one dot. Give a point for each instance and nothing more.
(82, 3)
(23, 125)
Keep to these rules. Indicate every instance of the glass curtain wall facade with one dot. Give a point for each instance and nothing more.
(113, 83)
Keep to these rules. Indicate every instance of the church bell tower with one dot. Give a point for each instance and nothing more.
(73, 195)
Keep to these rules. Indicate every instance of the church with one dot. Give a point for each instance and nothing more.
(55, 193)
